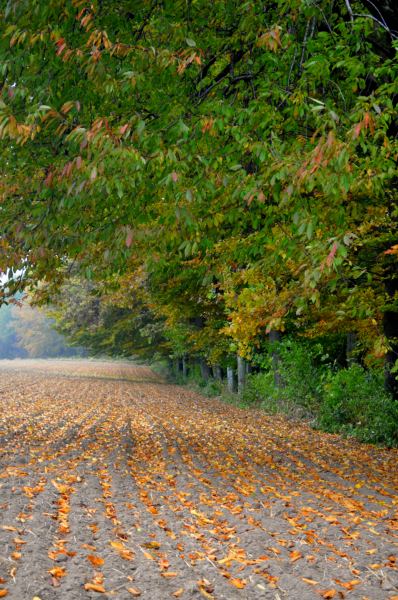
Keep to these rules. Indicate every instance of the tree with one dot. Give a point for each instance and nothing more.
(238, 156)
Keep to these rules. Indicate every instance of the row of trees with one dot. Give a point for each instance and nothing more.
(209, 174)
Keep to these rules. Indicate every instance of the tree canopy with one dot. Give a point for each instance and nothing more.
(226, 169)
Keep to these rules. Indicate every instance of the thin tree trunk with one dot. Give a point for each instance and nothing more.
(204, 369)
(184, 367)
(241, 374)
(350, 348)
(230, 379)
(217, 373)
(275, 338)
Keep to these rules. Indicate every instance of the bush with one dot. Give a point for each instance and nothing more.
(355, 402)
(300, 369)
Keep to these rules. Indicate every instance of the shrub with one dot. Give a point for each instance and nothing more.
(355, 402)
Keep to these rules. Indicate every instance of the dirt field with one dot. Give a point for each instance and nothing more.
(115, 484)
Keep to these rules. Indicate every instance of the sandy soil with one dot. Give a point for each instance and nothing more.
(116, 484)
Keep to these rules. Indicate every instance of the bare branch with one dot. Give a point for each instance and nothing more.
(348, 5)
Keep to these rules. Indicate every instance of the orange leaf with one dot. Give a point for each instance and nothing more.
(178, 593)
(169, 574)
(16, 555)
(57, 572)
(96, 561)
(134, 592)
(94, 587)
(295, 555)
(328, 594)
(392, 250)
(3, 593)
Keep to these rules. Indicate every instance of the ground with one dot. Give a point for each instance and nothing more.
(114, 483)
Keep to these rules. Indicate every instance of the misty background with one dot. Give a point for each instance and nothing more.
(27, 332)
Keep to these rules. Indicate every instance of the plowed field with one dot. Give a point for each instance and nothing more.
(116, 484)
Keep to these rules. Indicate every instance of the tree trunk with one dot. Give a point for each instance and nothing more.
(217, 373)
(275, 338)
(204, 369)
(241, 374)
(350, 348)
(184, 367)
(230, 379)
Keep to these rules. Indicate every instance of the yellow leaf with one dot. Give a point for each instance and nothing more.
(154, 545)
(238, 583)
(310, 581)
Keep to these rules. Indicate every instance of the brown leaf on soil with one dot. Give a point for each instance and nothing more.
(178, 593)
(134, 592)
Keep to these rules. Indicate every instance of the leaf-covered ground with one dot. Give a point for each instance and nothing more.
(115, 484)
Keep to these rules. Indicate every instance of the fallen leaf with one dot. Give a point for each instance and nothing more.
(3, 593)
(154, 545)
(328, 594)
(295, 555)
(178, 593)
(57, 572)
(310, 581)
(134, 592)
(238, 583)
(94, 587)
(96, 561)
